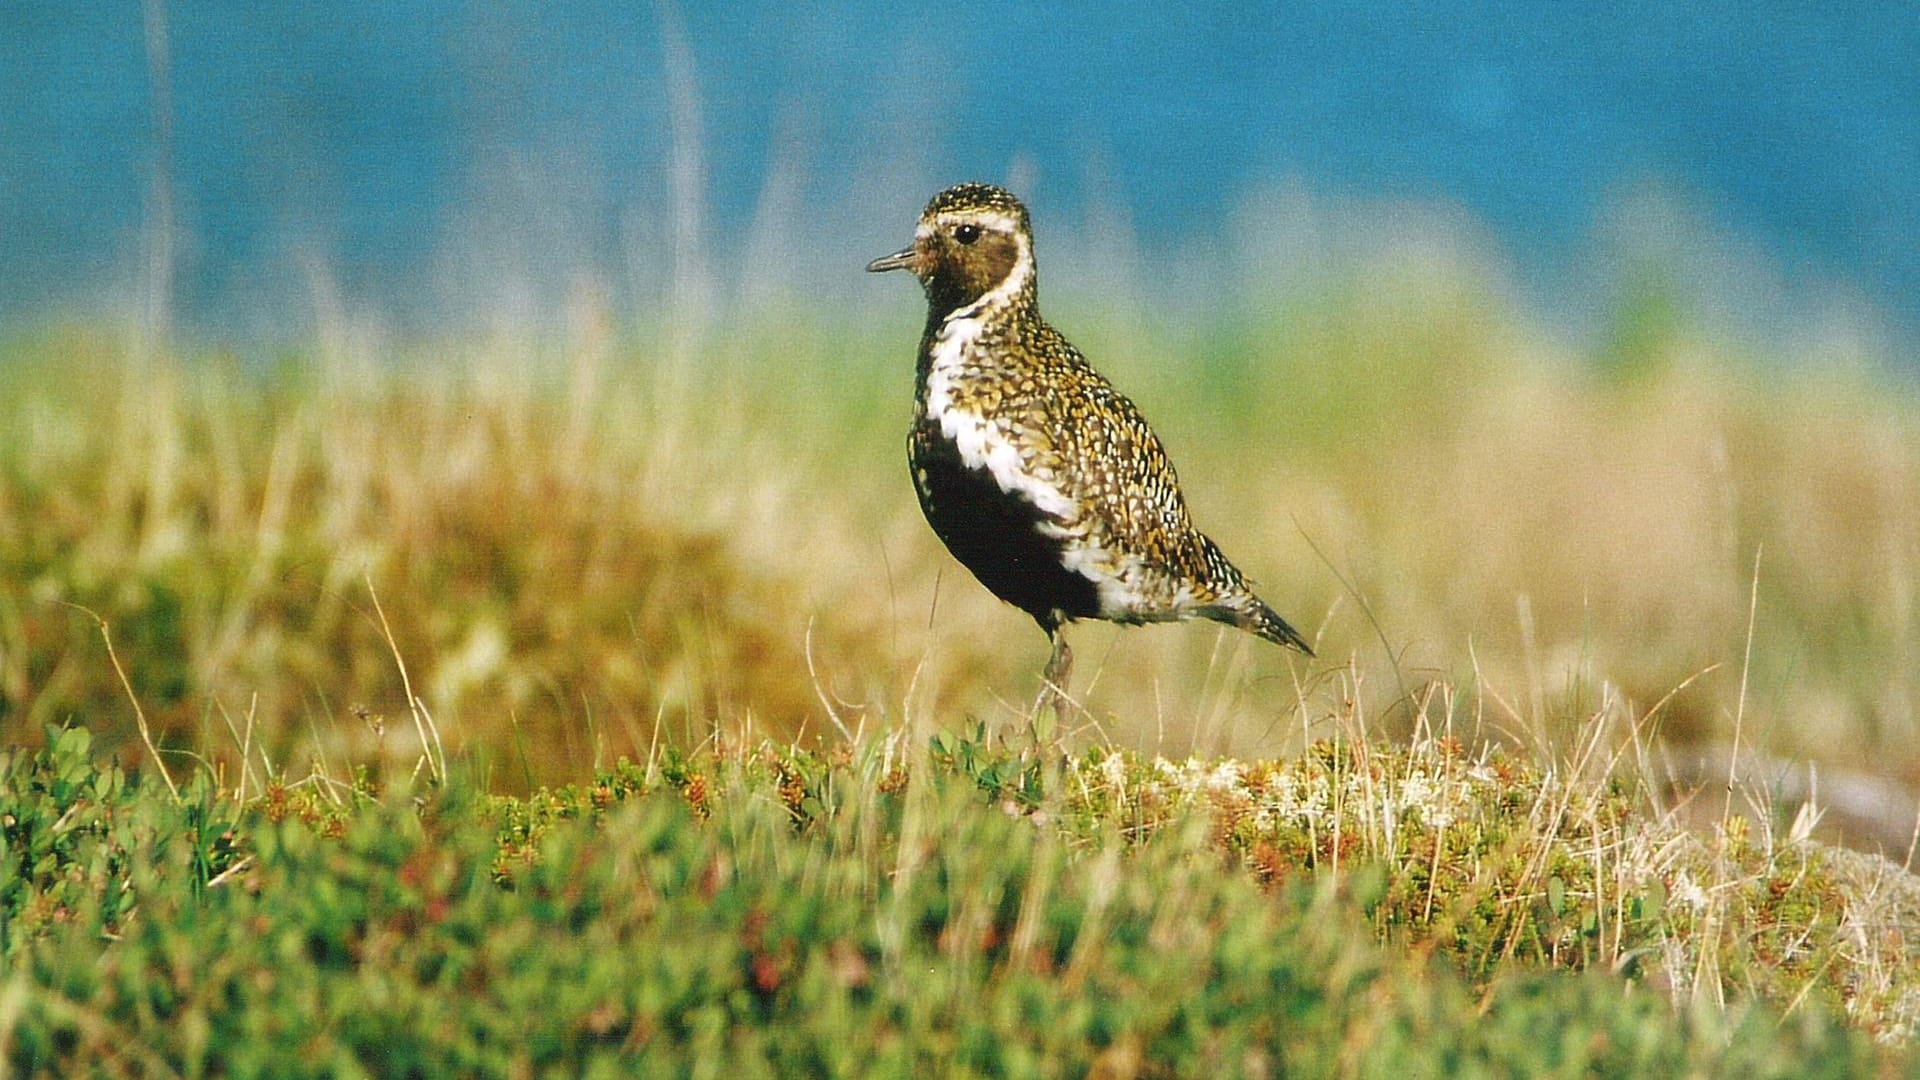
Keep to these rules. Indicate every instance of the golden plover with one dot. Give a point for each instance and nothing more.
(1039, 476)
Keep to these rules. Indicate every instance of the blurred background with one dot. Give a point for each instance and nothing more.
(387, 142)
(1555, 374)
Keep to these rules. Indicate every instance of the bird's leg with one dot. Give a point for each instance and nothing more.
(1059, 665)
(1053, 689)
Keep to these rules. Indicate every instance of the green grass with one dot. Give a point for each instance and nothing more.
(377, 623)
(877, 911)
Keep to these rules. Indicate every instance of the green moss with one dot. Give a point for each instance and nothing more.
(828, 914)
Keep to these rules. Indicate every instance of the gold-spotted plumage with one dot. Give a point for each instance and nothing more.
(1039, 476)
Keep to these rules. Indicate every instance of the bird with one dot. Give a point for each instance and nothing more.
(1039, 476)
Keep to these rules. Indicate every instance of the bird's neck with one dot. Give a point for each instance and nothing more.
(956, 335)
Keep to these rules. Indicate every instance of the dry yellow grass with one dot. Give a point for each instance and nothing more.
(590, 541)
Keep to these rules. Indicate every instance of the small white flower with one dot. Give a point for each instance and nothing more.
(1686, 891)
(1417, 791)
(1224, 777)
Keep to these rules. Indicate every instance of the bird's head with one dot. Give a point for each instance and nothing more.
(974, 242)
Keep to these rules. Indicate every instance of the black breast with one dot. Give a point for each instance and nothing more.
(993, 533)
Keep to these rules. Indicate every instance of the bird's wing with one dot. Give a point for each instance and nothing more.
(1113, 464)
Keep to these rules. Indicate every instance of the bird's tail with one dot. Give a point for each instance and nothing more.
(1250, 613)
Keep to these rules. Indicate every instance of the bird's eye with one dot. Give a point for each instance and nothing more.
(966, 234)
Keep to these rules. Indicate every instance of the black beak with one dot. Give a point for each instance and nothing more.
(906, 258)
